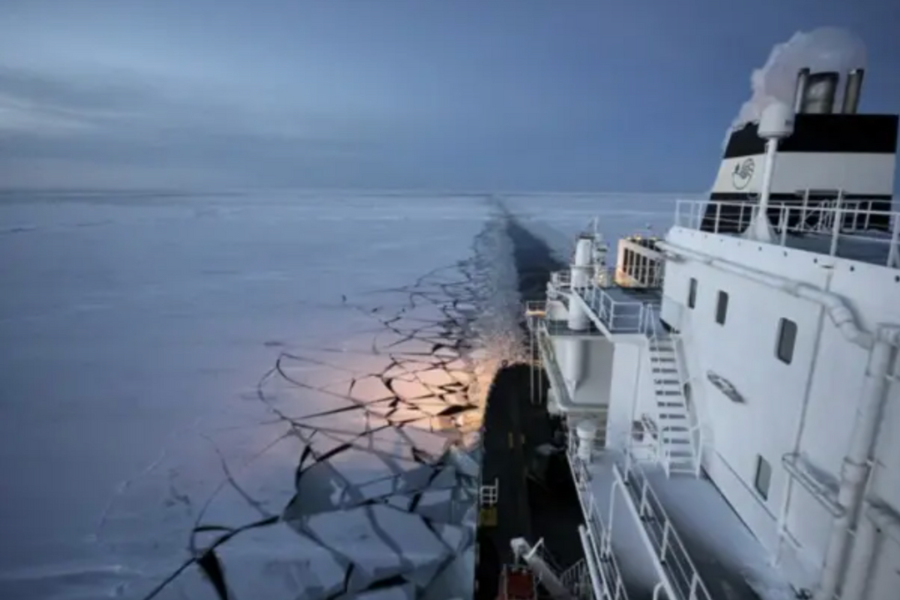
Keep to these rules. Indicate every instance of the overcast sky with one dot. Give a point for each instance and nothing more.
(518, 94)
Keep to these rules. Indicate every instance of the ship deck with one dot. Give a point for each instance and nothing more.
(730, 561)
(514, 429)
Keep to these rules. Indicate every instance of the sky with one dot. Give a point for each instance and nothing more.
(527, 95)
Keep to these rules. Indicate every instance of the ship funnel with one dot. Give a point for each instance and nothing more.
(820, 92)
(852, 91)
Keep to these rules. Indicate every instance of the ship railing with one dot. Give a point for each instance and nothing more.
(489, 494)
(561, 279)
(541, 550)
(599, 534)
(669, 550)
(617, 315)
(838, 221)
(577, 579)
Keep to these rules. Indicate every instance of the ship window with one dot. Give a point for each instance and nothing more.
(787, 335)
(692, 293)
(763, 477)
(721, 308)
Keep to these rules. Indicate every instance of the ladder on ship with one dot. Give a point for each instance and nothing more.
(677, 439)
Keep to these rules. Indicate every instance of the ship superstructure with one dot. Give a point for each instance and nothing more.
(730, 391)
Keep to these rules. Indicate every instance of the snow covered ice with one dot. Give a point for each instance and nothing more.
(270, 394)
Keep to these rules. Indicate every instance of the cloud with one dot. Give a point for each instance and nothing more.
(116, 122)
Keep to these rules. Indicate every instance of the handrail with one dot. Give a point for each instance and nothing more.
(576, 579)
(607, 565)
(655, 333)
(619, 316)
(667, 544)
(836, 220)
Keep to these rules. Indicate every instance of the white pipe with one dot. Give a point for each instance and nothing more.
(586, 430)
(880, 519)
(577, 318)
(581, 265)
(860, 568)
(760, 229)
(855, 470)
(573, 351)
(885, 519)
(522, 549)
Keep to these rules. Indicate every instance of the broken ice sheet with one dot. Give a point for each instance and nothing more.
(411, 390)
(369, 389)
(424, 440)
(421, 550)
(320, 489)
(355, 421)
(352, 535)
(277, 563)
(357, 466)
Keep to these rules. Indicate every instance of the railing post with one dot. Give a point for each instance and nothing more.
(836, 227)
(894, 250)
(803, 210)
(692, 595)
(665, 541)
(784, 222)
(643, 505)
(718, 216)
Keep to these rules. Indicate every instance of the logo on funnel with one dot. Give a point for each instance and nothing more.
(742, 174)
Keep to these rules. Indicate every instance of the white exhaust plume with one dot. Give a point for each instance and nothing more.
(823, 49)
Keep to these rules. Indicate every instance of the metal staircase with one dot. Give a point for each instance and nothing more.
(577, 580)
(676, 437)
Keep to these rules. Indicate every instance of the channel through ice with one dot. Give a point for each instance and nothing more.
(264, 396)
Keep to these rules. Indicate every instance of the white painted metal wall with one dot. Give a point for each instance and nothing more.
(624, 387)
(595, 365)
(808, 405)
(795, 171)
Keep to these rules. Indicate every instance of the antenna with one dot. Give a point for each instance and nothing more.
(776, 123)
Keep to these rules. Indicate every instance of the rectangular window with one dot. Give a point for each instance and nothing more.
(763, 477)
(721, 308)
(787, 335)
(692, 293)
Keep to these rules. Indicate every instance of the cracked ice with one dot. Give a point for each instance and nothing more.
(360, 479)
(384, 502)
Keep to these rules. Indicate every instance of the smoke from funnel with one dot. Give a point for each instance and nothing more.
(823, 49)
